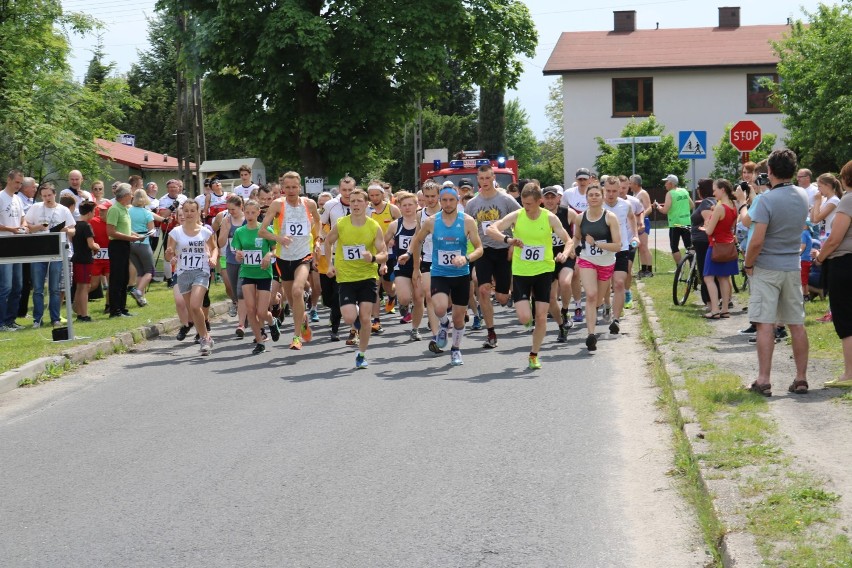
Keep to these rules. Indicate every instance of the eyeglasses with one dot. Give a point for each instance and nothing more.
(803, 176)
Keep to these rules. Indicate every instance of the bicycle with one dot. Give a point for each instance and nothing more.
(741, 276)
(686, 278)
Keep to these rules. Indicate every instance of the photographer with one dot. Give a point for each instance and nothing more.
(169, 203)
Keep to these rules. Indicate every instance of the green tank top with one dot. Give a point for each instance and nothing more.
(536, 256)
(679, 211)
(351, 244)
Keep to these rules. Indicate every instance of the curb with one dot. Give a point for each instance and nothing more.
(737, 546)
(12, 379)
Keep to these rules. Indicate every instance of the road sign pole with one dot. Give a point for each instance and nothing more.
(633, 154)
(694, 182)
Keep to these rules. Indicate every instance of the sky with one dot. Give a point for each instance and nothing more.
(126, 24)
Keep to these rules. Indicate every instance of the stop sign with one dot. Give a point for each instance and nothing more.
(746, 136)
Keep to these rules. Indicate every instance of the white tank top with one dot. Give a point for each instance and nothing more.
(191, 251)
(621, 210)
(426, 250)
(297, 226)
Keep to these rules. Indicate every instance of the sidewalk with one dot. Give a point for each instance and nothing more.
(812, 437)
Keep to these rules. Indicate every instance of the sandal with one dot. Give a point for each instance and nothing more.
(799, 386)
(725, 315)
(763, 390)
(712, 316)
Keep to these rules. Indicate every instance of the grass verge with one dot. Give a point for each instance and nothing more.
(789, 512)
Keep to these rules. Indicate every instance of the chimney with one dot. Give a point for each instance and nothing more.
(145, 157)
(729, 17)
(165, 157)
(625, 21)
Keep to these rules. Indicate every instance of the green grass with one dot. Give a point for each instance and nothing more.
(25, 345)
(789, 512)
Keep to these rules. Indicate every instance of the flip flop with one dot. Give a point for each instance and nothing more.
(762, 390)
(712, 316)
(725, 315)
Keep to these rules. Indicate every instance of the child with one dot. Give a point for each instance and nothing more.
(84, 244)
(805, 256)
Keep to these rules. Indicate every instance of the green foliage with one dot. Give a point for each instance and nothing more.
(48, 122)
(492, 120)
(323, 84)
(520, 140)
(728, 162)
(814, 90)
(653, 161)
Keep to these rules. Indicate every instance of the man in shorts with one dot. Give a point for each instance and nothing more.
(772, 265)
(627, 228)
(486, 208)
(333, 210)
(450, 268)
(574, 198)
(295, 223)
(359, 247)
(431, 207)
(563, 272)
(384, 213)
(678, 206)
(646, 267)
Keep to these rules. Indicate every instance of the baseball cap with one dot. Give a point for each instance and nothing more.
(671, 178)
(582, 173)
(207, 182)
(550, 189)
(465, 183)
(214, 180)
(448, 183)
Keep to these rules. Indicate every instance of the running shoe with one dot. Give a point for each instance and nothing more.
(181, 334)
(274, 332)
(477, 323)
(286, 309)
(390, 306)
(296, 344)
(578, 315)
(258, 349)
(628, 304)
(567, 323)
(563, 335)
(80, 319)
(606, 312)
(529, 325)
(206, 345)
(262, 336)
(335, 335)
(455, 358)
(314, 316)
(433, 347)
(491, 341)
(415, 335)
(232, 310)
(443, 333)
(352, 337)
(534, 362)
(592, 342)
(750, 330)
(406, 318)
(614, 328)
(137, 295)
(377, 327)
(241, 332)
(361, 361)
(306, 334)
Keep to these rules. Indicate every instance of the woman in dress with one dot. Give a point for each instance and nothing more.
(720, 230)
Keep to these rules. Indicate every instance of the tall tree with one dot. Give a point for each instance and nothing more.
(322, 83)
(814, 92)
(520, 139)
(98, 71)
(492, 119)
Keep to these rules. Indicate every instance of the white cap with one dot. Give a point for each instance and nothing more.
(448, 183)
(672, 179)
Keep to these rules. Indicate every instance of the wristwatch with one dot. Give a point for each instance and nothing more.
(505, 238)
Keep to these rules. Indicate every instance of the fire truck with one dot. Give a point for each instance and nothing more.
(466, 167)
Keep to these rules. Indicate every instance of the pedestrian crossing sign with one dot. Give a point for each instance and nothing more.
(692, 144)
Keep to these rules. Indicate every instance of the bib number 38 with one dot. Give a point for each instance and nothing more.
(445, 257)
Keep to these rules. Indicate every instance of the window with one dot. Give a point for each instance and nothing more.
(759, 93)
(633, 97)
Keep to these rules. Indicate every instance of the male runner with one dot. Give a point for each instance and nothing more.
(398, 238)
(334, 210)
(646, 263)
(450, 268)
(639, 213)
(533, 261)
(359, 247)
(627, 228)
(384, 213)
(432, 207)
(295, 223)
(563, 274)
(574, 198)
(486, 208)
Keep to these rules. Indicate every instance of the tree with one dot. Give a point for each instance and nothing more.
(813, 92)
(550, 170)
(653, 161)
(98, 71)
(492, 120)
(520, 140)
(322, 84)
(727, 158)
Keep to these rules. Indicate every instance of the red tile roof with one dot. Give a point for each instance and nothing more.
(135, 157)
(578, 52)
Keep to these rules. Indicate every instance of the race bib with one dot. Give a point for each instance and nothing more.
(595, 250)
(252, 257)
(297, 229)
(190, 261)
(102, 254)
(354, 252)
(445, 257)
(404, 242)
(532, 253)
(557, 242)
(230, 247)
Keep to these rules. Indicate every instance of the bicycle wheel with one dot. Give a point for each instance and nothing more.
(684, 280)
(737, 282)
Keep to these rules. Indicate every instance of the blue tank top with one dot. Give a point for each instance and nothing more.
(448, 243)
(230, 255)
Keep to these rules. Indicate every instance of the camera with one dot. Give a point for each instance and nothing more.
(173, 207)
(762, 179)
(743, 185)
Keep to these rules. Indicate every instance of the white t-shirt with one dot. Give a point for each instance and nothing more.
(833, 200)
(11, 212)
(245, 191)
(622, 211)
(637, 206)
(191, 251)
(812, 191)
(574, 199)
(333, 211)
(38, 214)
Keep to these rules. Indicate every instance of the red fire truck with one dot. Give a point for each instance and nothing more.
(466, 167)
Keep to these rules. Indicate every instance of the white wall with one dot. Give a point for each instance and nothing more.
(683, 100)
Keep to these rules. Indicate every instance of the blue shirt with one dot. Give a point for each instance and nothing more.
(447, 243)
(808, 241)
(139, 219)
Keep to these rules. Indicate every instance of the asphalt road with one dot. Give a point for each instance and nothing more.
(163, 458)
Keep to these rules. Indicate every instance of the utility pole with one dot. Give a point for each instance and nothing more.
(418, 143)
(182, 149)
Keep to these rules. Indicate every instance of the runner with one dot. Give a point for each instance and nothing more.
(450, 267)
(398, 238)
(430, 195)
(358, 246)
(563, 273)
(383, 212)
(194, 247)
(597, 237)
(330, 297)
(226, 226)
(487, 207)
(295, 224)
(255, 255)
(334, 210)
(533, 260)
(627, 228)
(635, 237)
(574, 198)
(646, 268)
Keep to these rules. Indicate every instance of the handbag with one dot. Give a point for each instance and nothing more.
(724, 252)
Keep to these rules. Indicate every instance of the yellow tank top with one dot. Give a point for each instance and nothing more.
(322, 261)
(384, 219)
(352, 242)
